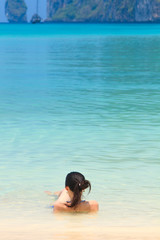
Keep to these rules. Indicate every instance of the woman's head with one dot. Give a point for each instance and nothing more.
(76, 183)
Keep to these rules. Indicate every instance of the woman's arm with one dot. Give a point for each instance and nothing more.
(58, 193)
(48, 193)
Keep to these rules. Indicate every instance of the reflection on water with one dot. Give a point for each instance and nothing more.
(85, 103)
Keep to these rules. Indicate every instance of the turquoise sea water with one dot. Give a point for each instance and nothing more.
(84, 98)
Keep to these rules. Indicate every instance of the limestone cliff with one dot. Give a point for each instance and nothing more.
(103, 10)
(16, 11)
(147, 10)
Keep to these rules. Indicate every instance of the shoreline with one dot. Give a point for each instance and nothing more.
(87, 23)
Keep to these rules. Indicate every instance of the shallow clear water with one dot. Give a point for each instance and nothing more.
(85, 98)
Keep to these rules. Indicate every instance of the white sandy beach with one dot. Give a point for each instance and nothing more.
(12, 230)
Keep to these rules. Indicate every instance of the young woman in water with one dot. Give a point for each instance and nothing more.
(70, 198)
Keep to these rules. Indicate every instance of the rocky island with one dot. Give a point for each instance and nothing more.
(103, 10)
(15, 11)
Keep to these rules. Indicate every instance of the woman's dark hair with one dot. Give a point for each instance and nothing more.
(76, 182)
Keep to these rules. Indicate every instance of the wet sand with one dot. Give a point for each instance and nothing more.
(12, 230)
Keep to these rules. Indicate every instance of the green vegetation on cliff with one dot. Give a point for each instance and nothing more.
(16, 10)
(103, 10)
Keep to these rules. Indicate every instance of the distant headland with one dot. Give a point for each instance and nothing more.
(99, 11)
(15, 11)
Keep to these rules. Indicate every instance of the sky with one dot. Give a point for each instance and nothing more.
(31, 4)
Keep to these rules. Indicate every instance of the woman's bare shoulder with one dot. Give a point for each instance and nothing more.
(88, 206)
(84, 206)
(94, 206)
